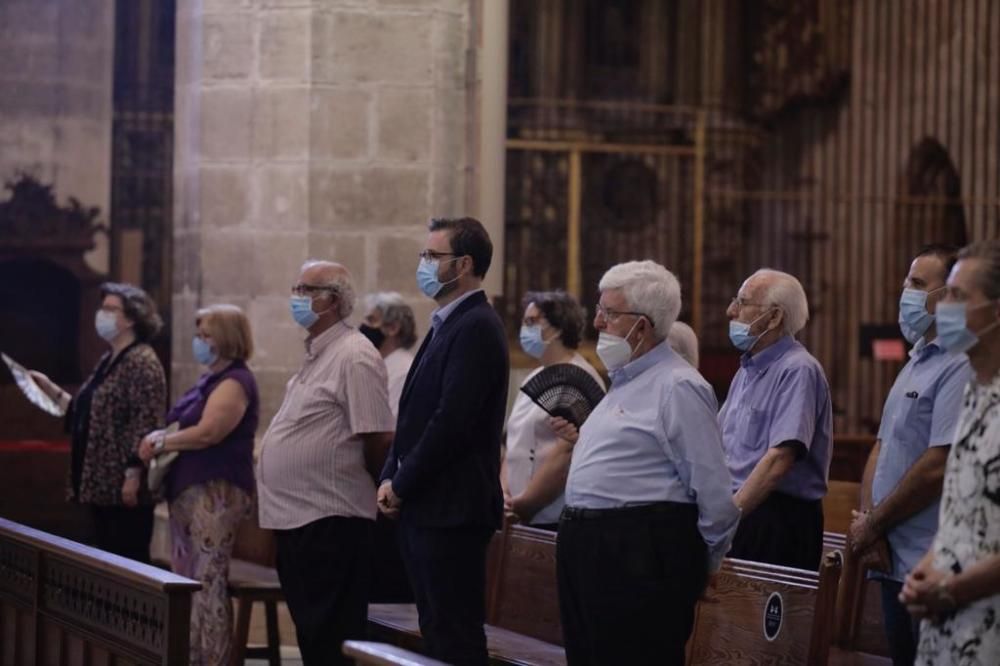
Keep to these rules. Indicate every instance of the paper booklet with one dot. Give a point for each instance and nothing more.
(32, 391)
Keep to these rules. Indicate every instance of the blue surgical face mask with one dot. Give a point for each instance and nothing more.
(914, 319)
(427, 277)
(531, 341)
(740, 336)
(106, 324)
(302, 311)
(953, 333)
(202, 351)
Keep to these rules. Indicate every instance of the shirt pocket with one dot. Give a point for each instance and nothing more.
(912, 423)
(758, 429)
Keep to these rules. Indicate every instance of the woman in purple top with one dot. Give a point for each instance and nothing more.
(210, 485)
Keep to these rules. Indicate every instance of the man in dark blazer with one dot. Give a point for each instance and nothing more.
(442, 474)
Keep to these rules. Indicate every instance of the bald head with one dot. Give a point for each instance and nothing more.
(337, 277)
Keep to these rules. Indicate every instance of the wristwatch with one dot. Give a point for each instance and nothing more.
(161, 441)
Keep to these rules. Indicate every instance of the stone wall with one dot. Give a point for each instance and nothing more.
(325, 129)
(56, 66)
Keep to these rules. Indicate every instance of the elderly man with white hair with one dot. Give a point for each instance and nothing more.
(649, 512)
(317, 467)
(683, 340)
(776, 425)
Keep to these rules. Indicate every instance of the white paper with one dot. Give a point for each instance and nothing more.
(31, 390)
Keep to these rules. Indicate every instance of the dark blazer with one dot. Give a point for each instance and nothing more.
(445, 458)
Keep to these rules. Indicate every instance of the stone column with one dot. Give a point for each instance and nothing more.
(325, 129)
(56, 67)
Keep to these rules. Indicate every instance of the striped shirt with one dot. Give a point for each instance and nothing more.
(311, 462)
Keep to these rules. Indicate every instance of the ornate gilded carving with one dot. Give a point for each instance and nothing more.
(31, 219)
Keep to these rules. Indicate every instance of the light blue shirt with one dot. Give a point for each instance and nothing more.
(779, 395)
(921, 411)
(440, 315)
(654, 438)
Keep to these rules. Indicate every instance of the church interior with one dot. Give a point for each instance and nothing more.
(204, 151)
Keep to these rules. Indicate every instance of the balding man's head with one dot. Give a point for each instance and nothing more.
(336, 277)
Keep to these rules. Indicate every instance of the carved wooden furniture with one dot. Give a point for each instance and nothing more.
(62, 602)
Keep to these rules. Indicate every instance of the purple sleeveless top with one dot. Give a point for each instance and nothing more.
(232, 458)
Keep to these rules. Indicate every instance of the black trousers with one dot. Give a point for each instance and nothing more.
(447, 570)
(124, 530)
(629, 580)
(325, 568)
(389, 582)
(783, 530)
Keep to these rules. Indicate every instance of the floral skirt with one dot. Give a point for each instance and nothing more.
(203, 523)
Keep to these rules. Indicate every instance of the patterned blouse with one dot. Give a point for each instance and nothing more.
(969, 531)
(126, 398)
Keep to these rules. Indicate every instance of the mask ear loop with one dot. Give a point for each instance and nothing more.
(750, 326)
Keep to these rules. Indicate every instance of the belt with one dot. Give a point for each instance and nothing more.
(581, 513)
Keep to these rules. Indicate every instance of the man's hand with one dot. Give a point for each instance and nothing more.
(863, 532)
(564, 429)
(130, 490)
(388, 502)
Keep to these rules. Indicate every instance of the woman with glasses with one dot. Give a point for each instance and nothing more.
(210, 485)
(121, 400)
(533, 474)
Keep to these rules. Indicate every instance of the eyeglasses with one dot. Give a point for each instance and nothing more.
(431, 255)
(739, 303)
(612, 315)
(301, 289)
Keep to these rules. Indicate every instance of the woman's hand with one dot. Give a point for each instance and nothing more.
(925, 592)
(564, 429)
(130, 489)
(50, 388)
(147, 447)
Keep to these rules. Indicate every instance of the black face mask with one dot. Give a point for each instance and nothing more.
(374, 334)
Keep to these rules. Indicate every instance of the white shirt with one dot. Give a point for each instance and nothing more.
(530, 441)
(397, 364)
(312, 462)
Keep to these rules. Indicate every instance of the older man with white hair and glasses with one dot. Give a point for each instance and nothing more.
(776, 425)
(318, 463)
(649, 512)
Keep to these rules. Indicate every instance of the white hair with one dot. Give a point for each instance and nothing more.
(649, 288)
(682, 340)
(785, 291)
(339, 279)
(394, 310)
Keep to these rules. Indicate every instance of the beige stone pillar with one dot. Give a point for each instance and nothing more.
(312, 128)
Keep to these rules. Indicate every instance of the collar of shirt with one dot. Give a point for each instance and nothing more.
(441, 314)
(315, 346)
(925, 349)
(633, 369)
(760, 362)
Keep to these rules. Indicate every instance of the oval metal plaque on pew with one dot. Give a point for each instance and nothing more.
(774, 610)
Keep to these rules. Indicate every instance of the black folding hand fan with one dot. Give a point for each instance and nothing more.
(565, 390)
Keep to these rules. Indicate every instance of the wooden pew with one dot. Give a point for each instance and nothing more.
(522, 606)
(761, 613)
(253, 579)
(65, 603)
(367, 653)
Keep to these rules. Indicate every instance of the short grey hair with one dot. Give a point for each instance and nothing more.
(988, 276)
(394, 310)
(338, 279)
(649, 288)
(682, 340)
(786, 292)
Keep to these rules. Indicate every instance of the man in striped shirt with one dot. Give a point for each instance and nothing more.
(317, 464)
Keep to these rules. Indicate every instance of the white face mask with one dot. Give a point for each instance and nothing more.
(613, 350)
(106, 325)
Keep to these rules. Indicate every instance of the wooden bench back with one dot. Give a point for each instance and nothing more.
(253, 543)
(65, 603)
(522, 595)
(730, 624)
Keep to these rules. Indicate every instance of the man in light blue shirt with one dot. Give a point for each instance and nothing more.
(901, 488)
(649, 513)
(776, 425)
